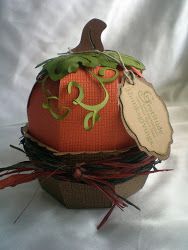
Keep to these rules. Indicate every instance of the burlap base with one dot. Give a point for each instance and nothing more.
(74, 194)
(78, 195)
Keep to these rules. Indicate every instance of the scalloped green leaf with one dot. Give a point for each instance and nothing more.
(60, 66)
(127, 60)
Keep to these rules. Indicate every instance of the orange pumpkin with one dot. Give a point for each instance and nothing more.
(83, 66)
(69, 135)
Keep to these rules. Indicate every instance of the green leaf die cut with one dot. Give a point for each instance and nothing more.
(62, 65)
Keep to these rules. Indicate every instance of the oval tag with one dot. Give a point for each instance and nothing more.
(145, 117)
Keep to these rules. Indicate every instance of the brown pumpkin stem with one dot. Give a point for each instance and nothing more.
(91, 36)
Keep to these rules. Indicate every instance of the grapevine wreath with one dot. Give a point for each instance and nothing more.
(89, 141)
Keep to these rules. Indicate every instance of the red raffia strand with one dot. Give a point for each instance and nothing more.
(33, 196)
(109, 192)
(16, 171)
(98, 179)
(104, 220)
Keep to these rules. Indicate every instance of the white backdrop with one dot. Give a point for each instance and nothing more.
(156, 32)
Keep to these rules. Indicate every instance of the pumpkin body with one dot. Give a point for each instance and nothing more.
(69, 135)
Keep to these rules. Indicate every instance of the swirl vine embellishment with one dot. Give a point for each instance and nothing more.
(93, 116)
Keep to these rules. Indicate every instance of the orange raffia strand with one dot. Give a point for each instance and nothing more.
(16, 179)
(136, 71)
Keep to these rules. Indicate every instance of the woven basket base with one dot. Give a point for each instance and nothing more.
(78, 195)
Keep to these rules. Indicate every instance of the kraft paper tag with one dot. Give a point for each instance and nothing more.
(145, 117)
